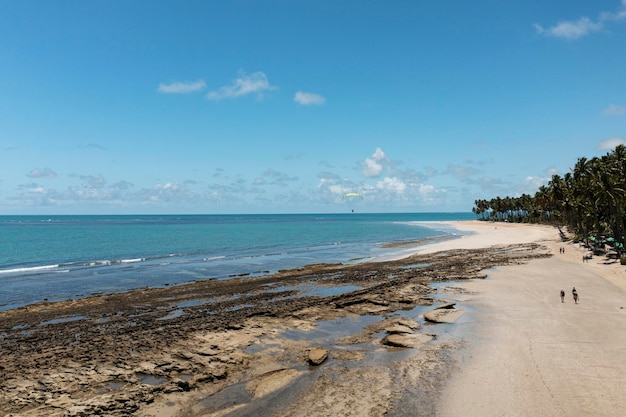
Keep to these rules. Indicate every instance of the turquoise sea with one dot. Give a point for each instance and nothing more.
(64, 257)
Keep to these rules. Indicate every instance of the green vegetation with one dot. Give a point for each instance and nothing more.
(590, 201)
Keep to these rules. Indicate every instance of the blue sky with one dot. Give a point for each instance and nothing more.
(283, 106)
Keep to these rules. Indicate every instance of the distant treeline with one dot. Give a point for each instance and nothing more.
(590, 200)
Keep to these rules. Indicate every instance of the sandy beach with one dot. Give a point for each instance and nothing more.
(469, 326)
(530, 354)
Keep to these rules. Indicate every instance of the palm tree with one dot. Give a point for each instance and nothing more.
(589, 199)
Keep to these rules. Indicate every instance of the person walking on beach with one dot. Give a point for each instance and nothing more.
(562, 296)
(575, 294)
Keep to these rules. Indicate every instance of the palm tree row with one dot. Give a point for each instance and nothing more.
(589, 200)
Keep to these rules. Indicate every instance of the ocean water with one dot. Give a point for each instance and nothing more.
(65, 257)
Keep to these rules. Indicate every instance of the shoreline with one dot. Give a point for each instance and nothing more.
(192, 350)
(411, 248)
(115, 274)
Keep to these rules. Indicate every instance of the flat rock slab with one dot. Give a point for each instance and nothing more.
(408, 323)
(406, 340)
(317, 355)
(443, 315)
(398, 329)
(273, 382)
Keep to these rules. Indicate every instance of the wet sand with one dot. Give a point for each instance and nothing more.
(244, 346)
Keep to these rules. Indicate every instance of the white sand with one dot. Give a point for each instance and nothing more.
(485, 234)
(528, 353)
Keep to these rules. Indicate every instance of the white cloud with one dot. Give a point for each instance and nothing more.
(534, 182)
(33, 188)
(614, 110)
(570, 30)
(611, 143)
(122, 185)
(181, 87)
(307, 99)
(34, 195)
(337, 189)
(374, 166)
(333, 187)
(577, 29)
(462, 172)
(255, 83)
(278, 177)
(158, 195)
(402, 189)
(371, 168)
(95, 181)
(393, 188)
(426, 189)
(619, 15)
(38, 173)
(394, 185)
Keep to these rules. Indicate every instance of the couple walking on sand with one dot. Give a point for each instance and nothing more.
(574, 294)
